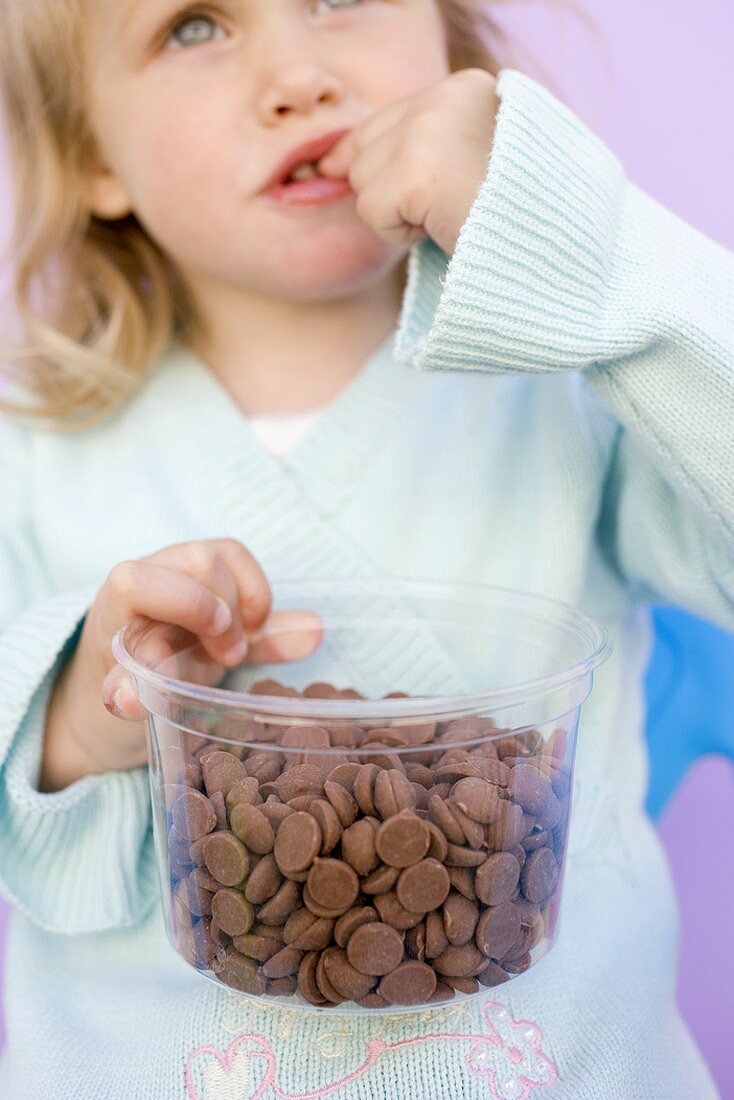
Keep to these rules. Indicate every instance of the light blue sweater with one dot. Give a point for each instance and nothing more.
(553, 414)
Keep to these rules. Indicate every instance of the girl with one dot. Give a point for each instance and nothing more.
(471, 349)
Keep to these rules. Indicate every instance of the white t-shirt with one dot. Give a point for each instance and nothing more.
(281, 432)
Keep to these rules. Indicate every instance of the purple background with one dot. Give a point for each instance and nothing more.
(653, 80)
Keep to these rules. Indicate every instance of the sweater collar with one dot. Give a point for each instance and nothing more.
(282, 511)
(325, 462)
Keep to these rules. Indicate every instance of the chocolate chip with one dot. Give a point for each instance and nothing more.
(300, 779)
(322, 979)
(411, 983)
(318, 909)
(395, 914)
(478, 799)
(333, 884)
(252, 827)
(460, 918)
(358, 846)
(460, 962)
(380, 880)
(297, 843)
(402, 840)
(350, 921)
(275, 811)
(232, 912)
(307, 984)
(260, 945)
(463, 985)
(344, 775)
(306, 931)
(263, 881)
(345, 806)
(492, 975)
(282, 963)
(457, 856)
(375, 948)
(462, 880)
(497, 930)
(283, 902)
(363, 789)
(348, 982)
(539, 876)
(439, 845)
(509, 828)
(245, 790)
(220, 772)
(329, 823)
(226, 858)
(415, 942)
(424, 886)
(193, 815)
(497, 878)
(239, 972)
(530, 787)
(441, 816)
(436, 938)
(393, 792)
(282, 987)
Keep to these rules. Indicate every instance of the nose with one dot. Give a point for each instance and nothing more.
(297, 89)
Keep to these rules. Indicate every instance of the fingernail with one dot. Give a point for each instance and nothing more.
(223, 617)
(115, 704)
(237, 653)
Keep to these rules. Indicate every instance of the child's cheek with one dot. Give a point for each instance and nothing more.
(182, 177)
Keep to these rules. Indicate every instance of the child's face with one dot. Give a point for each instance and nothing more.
(191, 121)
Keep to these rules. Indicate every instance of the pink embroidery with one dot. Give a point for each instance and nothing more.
(509, 1054)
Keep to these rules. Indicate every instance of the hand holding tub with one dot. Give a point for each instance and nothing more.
(215, 589)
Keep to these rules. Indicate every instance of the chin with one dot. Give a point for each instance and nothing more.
(337, 270)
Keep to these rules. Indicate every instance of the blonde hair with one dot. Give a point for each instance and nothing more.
(110, 300)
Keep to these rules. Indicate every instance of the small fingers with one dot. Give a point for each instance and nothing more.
(119, 697)
(166, 595)
(291, 636)
(229, 569)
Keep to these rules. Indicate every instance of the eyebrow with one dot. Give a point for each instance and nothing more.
(132, 8)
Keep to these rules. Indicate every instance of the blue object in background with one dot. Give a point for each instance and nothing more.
(690, 692)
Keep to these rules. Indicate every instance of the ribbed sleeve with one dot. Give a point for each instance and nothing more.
(81, 859)
(563, 264)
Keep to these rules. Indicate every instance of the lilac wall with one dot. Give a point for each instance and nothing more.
(654, 81)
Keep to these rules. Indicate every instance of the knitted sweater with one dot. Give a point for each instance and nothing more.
(554, 414)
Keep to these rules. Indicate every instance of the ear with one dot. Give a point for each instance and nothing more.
(106, 196)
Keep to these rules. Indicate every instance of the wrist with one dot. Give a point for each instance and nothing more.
(64, 760)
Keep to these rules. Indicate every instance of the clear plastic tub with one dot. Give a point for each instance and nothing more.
(389, 849)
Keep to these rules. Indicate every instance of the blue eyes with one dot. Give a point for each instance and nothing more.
(198, 28)
(340, 4)
(194, 30)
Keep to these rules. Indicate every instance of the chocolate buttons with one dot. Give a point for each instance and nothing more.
(367, 874)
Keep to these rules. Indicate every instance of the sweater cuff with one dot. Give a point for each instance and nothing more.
(525, 287)
(81, 859)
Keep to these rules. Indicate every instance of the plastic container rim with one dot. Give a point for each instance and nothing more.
(413, 706)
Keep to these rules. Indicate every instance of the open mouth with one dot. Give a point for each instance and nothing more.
(307, 171)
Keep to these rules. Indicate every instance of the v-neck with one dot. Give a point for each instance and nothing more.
(283, 510)
(350, 425)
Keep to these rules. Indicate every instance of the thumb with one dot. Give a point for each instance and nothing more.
(119, 697)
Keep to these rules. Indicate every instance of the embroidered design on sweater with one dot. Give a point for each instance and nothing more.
(508, 1054)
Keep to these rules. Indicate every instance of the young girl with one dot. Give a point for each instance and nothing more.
(471, 350)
